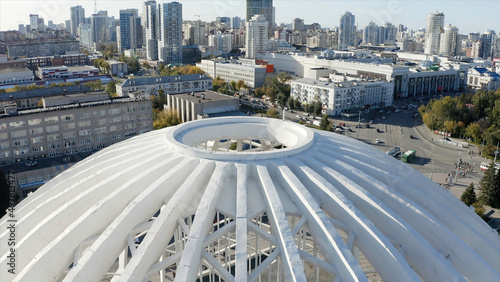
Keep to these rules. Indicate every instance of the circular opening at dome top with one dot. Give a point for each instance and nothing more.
(235, 138)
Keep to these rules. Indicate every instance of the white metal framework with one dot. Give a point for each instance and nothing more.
(306, 206)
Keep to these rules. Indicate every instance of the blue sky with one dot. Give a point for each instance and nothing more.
(468, 16)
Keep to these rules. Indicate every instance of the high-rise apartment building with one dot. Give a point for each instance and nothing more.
(486, 44)
(262, 7)
(256, 36)
(435, 24)
(450, 44)
(170, 33)
(151, 25)
(194, 33)
(371, 34)
(77, 18)
(130, 31)
(347, 31)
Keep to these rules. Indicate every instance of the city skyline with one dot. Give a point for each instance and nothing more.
(468, 16)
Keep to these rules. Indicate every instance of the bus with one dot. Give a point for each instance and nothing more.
(394, 151)
(485, 166)
(408, 156)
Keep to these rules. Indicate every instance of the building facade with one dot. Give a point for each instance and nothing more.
(253, 75)
(130, 30)
(435, 25)
(42, 47)
(450, 44)
(346, 96)
(408, 81)
(256, 36)
(71, 128)
(151, 25)
(63, 72)
(347, 31)
(198, 105)
(145, 86)
(15, 76)
(482, 78)
(262, 7)
(170, 33)
(77, 18)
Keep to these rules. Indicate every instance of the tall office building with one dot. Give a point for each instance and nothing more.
(77, 18)
(347, 31)
(256, 36)
(435, 24)
(235, 22)
(150, 23)
(34, 21)
(449, 45)
(262, 7)
(170, 33)
(100, 27)
(298, 24)
(22, 29)
(129, 33)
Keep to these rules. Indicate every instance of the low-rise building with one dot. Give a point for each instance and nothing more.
(118, 68)
(482, 78)
(13, 64)
(199, 105)
(13, 76)
(64, 72)
(26, 99)
(345, 96)
(60, 60)
(173, 84)
(253, 75)
(408, 81)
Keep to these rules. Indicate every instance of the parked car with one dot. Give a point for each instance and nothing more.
(377, 141)
(31, 163)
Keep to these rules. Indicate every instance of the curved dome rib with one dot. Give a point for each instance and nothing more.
(289, 203)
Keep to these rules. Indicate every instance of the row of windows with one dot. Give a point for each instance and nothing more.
(70, 117)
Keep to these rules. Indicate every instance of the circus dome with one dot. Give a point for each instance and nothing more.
(241, 198)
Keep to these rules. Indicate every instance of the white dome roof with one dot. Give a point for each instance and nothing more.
(299, 203)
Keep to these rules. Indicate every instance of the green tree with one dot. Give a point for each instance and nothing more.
(296, 104)
(273, 113)
(233, 85)
(165, 118)
(325, 124)
(241, 84)
(217, 84)
(490, 187)
(317, 108)
(469, 196)
(283, 77)
(94, 85)
(474, 131)
(111, 88)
